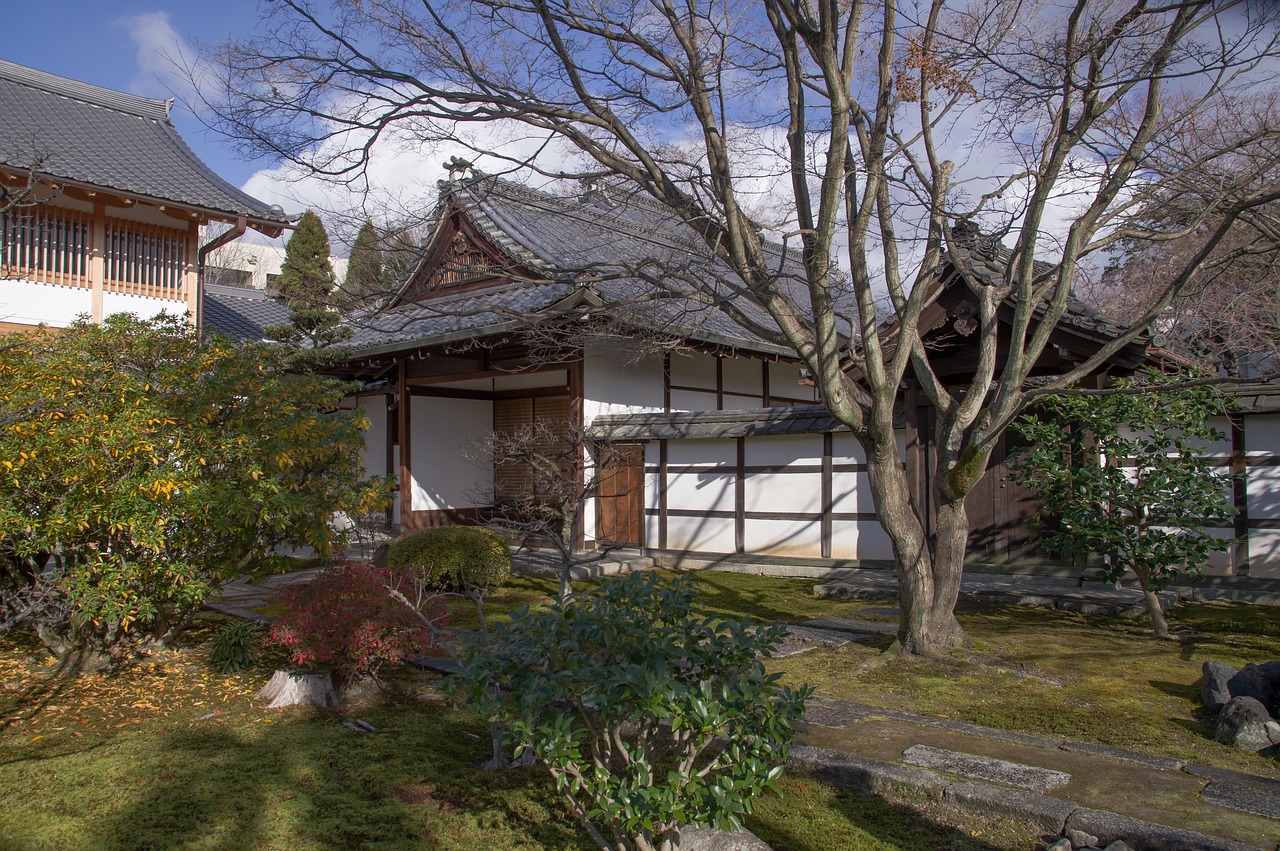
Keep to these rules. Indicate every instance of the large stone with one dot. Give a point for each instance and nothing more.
(986, 768)
(1252, 682)
(707, 839)
(1213, 687)
(1238, 796)
(1246, 724)
(1041, 810)
(858, 774)
(1147, 836)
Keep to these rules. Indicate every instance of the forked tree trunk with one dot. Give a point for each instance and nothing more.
(928, 576)
(1154, 610)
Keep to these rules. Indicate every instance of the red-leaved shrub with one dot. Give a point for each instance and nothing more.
(347, 619)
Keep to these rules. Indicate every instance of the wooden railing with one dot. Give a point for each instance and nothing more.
(46, 244)
(145, 259)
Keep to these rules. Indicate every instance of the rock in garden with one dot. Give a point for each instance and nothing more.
(1246, 724)
(1080, 839)
(1118, 845)
(1213, 688)
(289, 688)
(707, 839)
(1252, 682)
(1271, 670)
(1061, 844)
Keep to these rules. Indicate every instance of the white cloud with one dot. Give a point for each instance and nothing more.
(167, 63)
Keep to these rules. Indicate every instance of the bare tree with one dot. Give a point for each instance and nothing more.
(545, 476)
(874, 126)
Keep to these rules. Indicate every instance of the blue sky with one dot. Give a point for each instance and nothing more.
(121, 44)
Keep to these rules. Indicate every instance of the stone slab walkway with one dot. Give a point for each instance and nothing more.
(1043, 592)
(1161, 802)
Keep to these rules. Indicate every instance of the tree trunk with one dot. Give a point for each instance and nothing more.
(1154, 610)
(928, 578)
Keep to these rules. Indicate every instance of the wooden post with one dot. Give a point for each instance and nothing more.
(740, 499)
(97, 260)
(406, 481)
(1240, 495)
(191, 275)
(828, 492)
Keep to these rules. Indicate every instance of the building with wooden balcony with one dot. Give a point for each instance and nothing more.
(101, 204)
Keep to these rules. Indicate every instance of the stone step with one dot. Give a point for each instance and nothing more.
(1029, 777)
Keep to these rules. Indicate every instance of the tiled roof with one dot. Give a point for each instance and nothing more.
(458, 316)
(989, 261)
(241, 314)
(800, 419)
(103, 138)
(612, 249)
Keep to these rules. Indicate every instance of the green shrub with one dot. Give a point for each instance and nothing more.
(233, 646)
(648, 715)
(453, 558)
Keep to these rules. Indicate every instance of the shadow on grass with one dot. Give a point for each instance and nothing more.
(308, 782)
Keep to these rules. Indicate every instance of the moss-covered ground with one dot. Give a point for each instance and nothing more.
(164, 753)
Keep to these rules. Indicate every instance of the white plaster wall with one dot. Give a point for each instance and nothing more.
(1264, 553)
(1262, 434)
(692, 400)
(693, 369)
(704, 452)
(32, 303)
(443, 429)
(783, 537)
(143, 307)
(705, 490)
(783, 492)
(783, 450)
(610, 385)
(699, 534)
(784, 381)
(861, 539)
(374, 453)
(1264, 493)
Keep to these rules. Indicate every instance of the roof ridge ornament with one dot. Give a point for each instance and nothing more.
(458, 167)
(965, 233)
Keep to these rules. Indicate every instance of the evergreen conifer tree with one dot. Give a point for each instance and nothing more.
(364, 271)
(306, 277)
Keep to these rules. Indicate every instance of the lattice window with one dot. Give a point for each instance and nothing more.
(46, 244)
(145, 259)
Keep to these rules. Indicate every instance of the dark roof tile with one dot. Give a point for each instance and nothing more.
(96, 136)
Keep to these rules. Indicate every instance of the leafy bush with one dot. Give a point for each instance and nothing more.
(233, 647)
(453, 558)
(155, 465)
(1130, 480)
(350, 619)
(648, 716)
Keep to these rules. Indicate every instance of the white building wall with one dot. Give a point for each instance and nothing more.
(143, 307)
(34, 303)
(443, 477)
(614, 384)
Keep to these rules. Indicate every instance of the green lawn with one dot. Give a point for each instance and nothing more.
(166, 754)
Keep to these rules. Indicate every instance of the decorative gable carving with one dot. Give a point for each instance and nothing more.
(459, 260)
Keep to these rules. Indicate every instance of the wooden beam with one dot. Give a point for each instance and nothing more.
(97, 260)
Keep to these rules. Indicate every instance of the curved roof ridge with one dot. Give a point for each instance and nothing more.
(142, 107)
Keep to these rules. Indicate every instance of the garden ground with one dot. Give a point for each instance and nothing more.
(165, 753)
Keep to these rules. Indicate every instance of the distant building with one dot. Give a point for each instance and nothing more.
(110, 202)
(253, 266)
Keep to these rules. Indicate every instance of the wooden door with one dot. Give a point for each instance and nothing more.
(1000, 512)
(622, 496)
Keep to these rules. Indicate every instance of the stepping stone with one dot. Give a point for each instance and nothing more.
(822, 637)
(791, 648)
(833, 714)
(985, 768)
(435, 663)
(1238, 796)
(882, 612)
(857, 625)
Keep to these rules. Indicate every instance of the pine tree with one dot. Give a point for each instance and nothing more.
(306, 276)
(364, 271)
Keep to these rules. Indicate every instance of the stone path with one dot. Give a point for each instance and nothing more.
(240, 596)
(1043, 592)
(1106, 792)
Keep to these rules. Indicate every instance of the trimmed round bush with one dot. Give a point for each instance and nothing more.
(451, 557)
